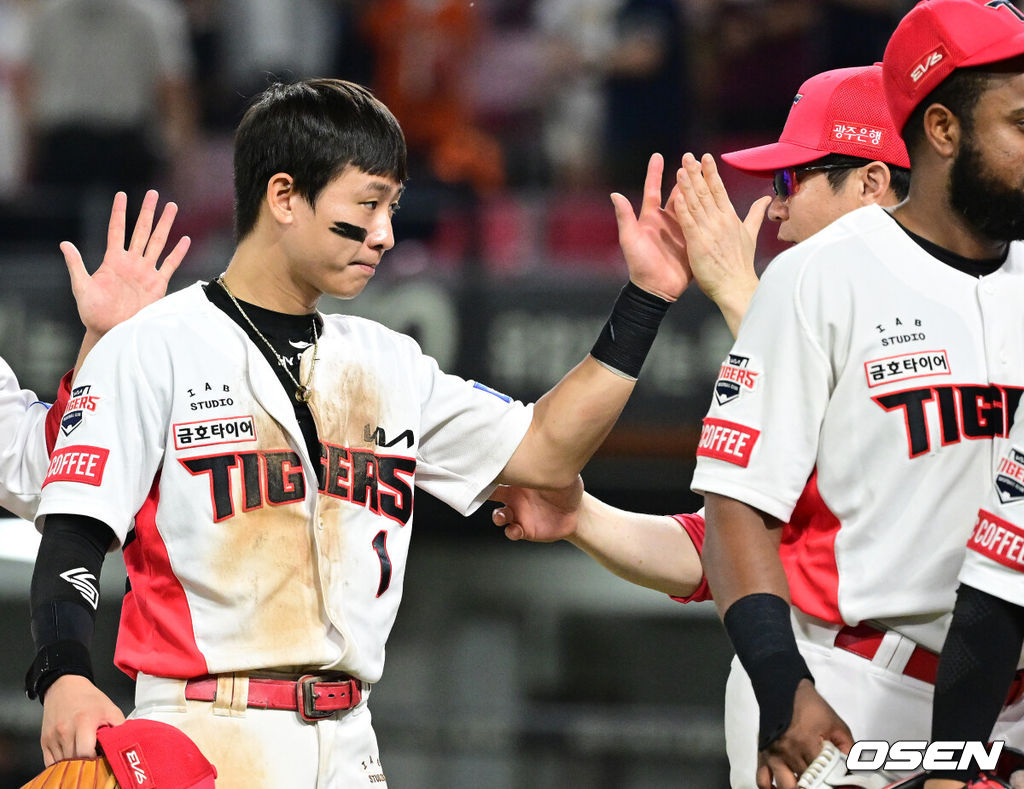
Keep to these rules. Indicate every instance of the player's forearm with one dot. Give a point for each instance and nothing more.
(88, 343)
(741, 552)
(64, 597)
(986, 634)
(733, 305)
(569, 423)
(574, 417)
(647, 550)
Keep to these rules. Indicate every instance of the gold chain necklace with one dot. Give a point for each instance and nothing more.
(302, 391)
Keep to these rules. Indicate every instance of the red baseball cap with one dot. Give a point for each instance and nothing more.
(938, 36)
(839, 111)
(151, 755)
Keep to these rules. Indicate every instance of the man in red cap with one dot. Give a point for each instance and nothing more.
(838, 151)
(886, 356)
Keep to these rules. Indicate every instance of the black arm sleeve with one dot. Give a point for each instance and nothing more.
(761, 633)
(64, 597)
(977, 665)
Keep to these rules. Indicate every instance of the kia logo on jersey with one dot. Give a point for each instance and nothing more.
(1010, 477)
(733, 378)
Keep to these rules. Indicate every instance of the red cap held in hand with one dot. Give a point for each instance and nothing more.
(147, 754)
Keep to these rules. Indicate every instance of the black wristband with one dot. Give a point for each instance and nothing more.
(54, 661)
(762, 635)
(630, 330)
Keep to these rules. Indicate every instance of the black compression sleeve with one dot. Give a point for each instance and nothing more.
(64, 596)
(762, 635)
(977, 665)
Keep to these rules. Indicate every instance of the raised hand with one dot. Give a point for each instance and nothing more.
(538, 515)
(719, 245)
(653, 243)
(128, 279)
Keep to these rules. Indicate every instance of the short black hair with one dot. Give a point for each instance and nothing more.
(959, 93)
(311, 130)
(899, 177)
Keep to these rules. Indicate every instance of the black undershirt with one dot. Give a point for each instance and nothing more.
(969, 266)
(281, 329)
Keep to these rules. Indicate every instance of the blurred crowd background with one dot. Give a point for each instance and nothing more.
(511, 665)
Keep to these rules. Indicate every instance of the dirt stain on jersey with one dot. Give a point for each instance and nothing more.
(349, 400)
(267, 570)
(344, 402)
(242, 761)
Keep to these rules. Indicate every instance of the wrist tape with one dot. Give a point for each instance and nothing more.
(762, 635)
(630, 330)
(53, 662)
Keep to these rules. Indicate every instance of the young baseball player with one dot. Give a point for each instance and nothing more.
(885, 356)
(256, 460)
(652, 550)
(126, 280)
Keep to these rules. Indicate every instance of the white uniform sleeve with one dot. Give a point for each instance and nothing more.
(994, 562)
(23, 457)
(113, 436)
(759, 440)
(469, 432)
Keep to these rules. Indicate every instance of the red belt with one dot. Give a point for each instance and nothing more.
(312, 697)
(923, 664)
(864, 640)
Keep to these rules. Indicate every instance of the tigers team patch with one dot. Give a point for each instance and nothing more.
(734, 378)
(1010, 477)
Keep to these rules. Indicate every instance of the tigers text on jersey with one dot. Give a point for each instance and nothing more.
(995, 547)
(24, 444)
(860, 403)
(244, 552)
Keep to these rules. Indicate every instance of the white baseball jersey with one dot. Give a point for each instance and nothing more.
(23, 449)
(244, 553)
(859, 404)
(995, 548)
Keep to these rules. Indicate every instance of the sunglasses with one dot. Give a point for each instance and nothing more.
(787, 181)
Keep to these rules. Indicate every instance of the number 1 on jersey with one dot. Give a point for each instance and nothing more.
(380, 545)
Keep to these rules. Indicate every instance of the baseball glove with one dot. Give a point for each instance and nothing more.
(75, 774)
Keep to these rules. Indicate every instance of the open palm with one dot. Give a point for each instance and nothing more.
(128, 279)
(653, 243)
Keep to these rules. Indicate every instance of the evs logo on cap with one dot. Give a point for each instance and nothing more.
(938, 36)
